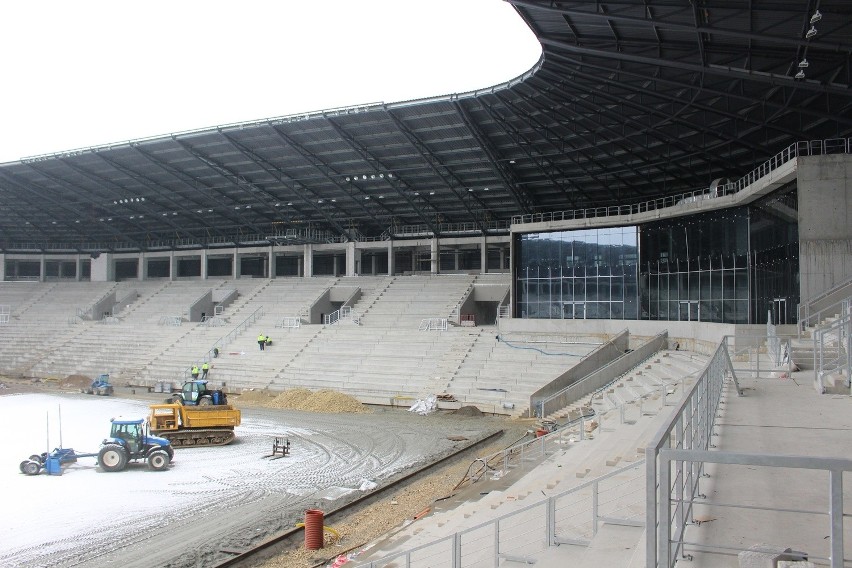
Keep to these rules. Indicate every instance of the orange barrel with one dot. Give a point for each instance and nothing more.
(313, 529)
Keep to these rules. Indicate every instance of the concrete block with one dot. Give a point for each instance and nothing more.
(795, 564)
(764, 556)
(613, 461)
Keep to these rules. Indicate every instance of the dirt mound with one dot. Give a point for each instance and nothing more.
(467, 411)
(304, 399)
(75, 382)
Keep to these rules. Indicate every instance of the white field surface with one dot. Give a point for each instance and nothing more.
(210, 499)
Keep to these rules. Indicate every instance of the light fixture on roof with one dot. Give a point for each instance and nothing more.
(816, 17)
(347, 179)
(366, 198)
(511, 161)
(486, 189)
(811, 33)
(364, 176)
(803, 63)
(431, 193)
(800, 74)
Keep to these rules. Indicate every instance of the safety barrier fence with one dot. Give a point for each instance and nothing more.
(570, 518)
(5, 313)
(433, 324)
(344, 313)
(795, 150)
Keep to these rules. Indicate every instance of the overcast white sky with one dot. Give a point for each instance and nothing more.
(85, 73)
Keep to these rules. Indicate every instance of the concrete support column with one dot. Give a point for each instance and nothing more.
(373, 271)
(334, 270)
(414, 265)
(236, 268)
(204, 267)
(271, 262)
(3, 266)
(300, 268)
(435, 264)
(353, 260)
(455, 260)
(502, 258)
(309, 261)
(42, 268)
(143, 267)
(103, 268)
(483, 255)
(79, 263)
(172, 265)
(391, 259)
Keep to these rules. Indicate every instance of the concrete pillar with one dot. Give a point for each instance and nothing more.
(483, 255)
(3, 266)
(373, 271)
(300, 268)
(79, 263)
(103, 268)
(502, 258)
(309, 261)
(455, 260)
(414, 266)
(42, 268)
(172, 265)
(271, 262)
(435, 256)
(143, 267)
(204, 267)
(353, 260)
(237, 267)
(334, 270)
(391, 259)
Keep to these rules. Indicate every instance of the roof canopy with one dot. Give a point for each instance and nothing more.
(631, 100)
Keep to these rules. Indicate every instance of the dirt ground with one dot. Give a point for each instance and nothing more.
(338, 455)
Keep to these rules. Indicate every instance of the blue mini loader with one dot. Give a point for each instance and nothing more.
(100, 386)
(129, 441)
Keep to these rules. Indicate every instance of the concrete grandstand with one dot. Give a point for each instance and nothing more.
(642, 246)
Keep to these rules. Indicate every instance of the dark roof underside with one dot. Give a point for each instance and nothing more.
(632, 100)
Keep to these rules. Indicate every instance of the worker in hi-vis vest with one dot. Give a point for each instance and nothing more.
(261, 341)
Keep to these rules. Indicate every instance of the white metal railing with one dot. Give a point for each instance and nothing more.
(811, 148)
(833, 348)
(433, 324)
(5, 313)
(213, 321)
(675, 466)
(803, 311)
(171, 320)
(569, 518)
(289, 323)
(213, 352)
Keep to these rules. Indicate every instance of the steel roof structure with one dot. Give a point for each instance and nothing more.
(631, 100)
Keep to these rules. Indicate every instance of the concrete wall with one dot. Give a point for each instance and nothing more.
(701, 337)
(203, 305)
(825, 222)
(103, 268)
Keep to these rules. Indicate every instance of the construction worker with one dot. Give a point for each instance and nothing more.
(204, 368)
(194, 371)
(261, 341)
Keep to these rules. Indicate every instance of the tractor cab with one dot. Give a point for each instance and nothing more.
(196, 393)
(193, 391)
(130, 432)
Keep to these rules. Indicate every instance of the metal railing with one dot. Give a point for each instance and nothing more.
(433, 324)
(170, 320)
(803, 311)
(689, 428)
(571, 518)
(289, 323)
(811, 148)
(833, 348)
(224, 340)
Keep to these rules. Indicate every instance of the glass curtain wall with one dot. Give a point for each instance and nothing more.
(590, 274)
(735, 265)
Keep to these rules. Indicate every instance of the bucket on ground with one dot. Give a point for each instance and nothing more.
(313, 529)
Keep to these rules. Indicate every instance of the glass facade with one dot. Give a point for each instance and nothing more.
(735, 265)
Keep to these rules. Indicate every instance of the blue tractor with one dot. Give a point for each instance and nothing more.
(129, 440)
(100, 386)
(196, 393)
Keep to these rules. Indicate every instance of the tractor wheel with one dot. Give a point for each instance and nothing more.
(205, 401)
(30, 467)
(171, 451)
(158, 460)
(112, 457)
(177, 399)
(36, 458)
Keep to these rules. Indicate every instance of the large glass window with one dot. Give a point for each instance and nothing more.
(735, 265)
(586, 274)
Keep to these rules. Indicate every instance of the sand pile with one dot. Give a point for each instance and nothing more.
(75, 382)
(304, 399)
(467, 411)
